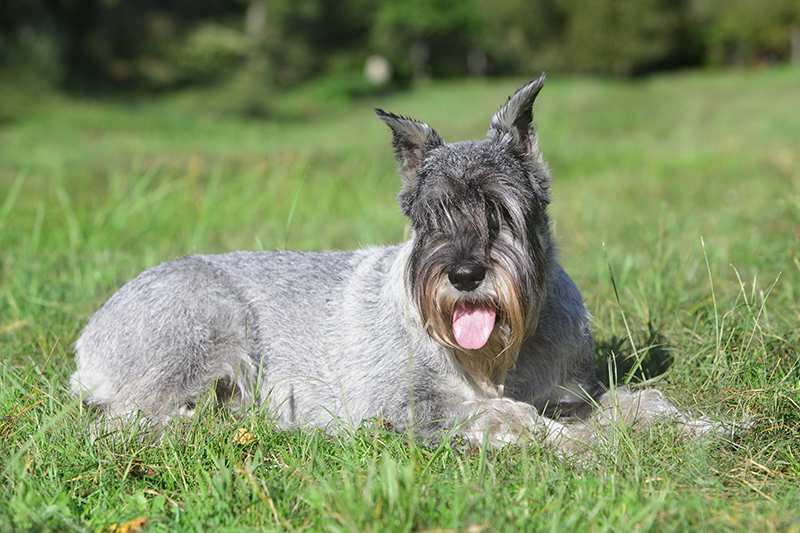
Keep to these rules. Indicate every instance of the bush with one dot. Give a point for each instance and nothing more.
(742, 32)
(166, 43)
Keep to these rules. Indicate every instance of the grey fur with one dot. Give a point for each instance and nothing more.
(332, 338)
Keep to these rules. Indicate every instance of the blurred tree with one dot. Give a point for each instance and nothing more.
(426, 37)
(150, 43)
(15, 15)
(742, 31)
(306, 37)
(256, 70)
(165, 44)
(621, 37)
(26, 38)
(522, 34)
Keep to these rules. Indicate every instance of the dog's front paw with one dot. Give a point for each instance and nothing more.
(498, 422)
(503, 421)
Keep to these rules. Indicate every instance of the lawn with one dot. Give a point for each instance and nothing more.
(676, 206)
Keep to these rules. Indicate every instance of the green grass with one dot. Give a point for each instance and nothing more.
(645, 173)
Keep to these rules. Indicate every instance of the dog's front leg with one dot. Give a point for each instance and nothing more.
(502, 421)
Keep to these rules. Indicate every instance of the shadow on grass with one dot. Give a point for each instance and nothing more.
(652, 356)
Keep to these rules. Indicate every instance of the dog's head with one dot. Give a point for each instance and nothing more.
(481, 241)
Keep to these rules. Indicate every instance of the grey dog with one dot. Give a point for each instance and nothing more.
(471, 327)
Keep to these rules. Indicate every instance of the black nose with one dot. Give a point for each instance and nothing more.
(467, 277)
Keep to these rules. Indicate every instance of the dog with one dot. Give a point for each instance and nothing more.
(470, 328)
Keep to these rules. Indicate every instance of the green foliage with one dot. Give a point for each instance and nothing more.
(523, 35)
(92, 192)
(596, 36)
(426, 37)
(739, 31)
(619, 37)
(308, 37)
(207, 52)
(283, 43)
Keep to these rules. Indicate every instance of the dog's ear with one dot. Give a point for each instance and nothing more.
(411, 139)
(515, 117)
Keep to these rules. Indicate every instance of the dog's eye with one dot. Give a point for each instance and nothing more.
(494, 221)
(500, 219)
(498, 216)
(505, 214)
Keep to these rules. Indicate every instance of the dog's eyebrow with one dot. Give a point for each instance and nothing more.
(447, 214)
(479, 175)
(508, 211)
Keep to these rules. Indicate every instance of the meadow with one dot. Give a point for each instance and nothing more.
(676, 206)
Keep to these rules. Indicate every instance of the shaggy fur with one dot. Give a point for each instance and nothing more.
(336, 338)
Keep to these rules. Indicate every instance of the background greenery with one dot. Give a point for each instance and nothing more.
(685, 186)
(162, 44)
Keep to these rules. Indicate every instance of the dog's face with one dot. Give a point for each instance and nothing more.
(480, 229)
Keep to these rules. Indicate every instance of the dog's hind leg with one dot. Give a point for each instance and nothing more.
(163, 340)
(641, 408)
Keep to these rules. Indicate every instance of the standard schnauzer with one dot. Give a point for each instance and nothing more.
(471, 327)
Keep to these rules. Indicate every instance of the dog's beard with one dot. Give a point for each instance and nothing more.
(500, 294)
(515, 295)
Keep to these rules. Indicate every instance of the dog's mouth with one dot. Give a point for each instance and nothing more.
(473, 324)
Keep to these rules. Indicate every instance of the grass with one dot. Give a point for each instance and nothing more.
(685, 187)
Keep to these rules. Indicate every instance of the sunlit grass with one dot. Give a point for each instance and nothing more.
(678, 183)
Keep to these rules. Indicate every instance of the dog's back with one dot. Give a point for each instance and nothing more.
(286, 326)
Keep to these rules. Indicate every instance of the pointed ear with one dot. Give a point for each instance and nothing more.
(411, 139)
(515, 118)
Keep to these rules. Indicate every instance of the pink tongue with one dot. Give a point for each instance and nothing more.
(472, 325)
